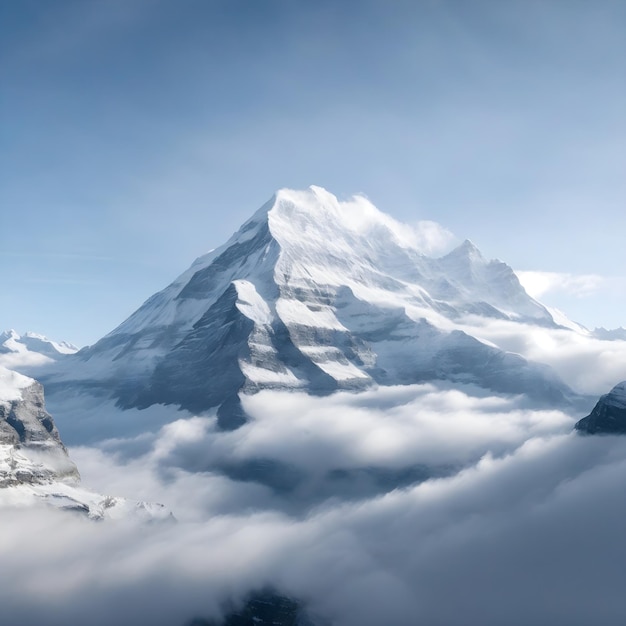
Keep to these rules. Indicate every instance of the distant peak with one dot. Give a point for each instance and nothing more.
(467, 250)
(35, 342)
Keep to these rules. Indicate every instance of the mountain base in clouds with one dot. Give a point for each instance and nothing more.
(332, 415)
(264, 608)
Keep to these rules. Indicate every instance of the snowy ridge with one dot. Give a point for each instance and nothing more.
(317, 294)
(31, 349)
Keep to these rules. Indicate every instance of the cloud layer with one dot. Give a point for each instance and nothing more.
(523, 516)
(537, 284)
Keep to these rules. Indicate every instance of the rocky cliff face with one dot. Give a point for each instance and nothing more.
(31, 451)
(35, 467)
(608, 416)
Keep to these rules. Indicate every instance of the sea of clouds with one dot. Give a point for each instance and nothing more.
(503, 515)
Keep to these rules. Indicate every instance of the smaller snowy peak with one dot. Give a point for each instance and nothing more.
(467, 250)
(17, 351)
(608, 416)
(465, 262)
(41, 343)
(614, 334)
(9, 341)
(490, 284)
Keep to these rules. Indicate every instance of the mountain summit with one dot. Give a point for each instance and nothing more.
(315, 294)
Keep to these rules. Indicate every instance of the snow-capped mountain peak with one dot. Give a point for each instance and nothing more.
(317, 294)
(315, 216)
(467, 250)
(12, 341)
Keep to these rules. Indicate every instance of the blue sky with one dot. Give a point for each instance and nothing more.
(138, 134)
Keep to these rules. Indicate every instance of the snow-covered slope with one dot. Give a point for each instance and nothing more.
(316, 294)
(35, 468)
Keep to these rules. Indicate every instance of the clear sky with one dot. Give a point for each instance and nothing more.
(137, 134)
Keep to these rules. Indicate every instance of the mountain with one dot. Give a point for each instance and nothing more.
(31, 349)
(609, 414)
(35, 467)
(32, 451)
(314, 294)
(614, 334)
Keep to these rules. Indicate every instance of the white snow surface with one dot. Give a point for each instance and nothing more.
(11, 384)
(330, 243)
(251, 304)
(291, 261)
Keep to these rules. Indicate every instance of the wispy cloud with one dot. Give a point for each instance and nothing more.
(538, 283)
(432, 238)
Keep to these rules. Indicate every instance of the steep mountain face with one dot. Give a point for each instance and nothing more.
(31, 450)
(35, 467)
(609, 414)
(319, 295)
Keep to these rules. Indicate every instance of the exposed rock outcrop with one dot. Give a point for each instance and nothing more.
(609, 414)
(35, 467)
(31, 451)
